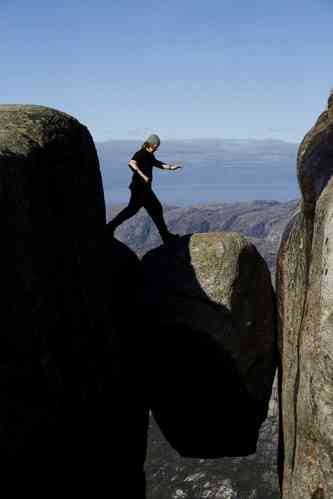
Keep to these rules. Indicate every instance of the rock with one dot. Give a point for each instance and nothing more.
(210, 342)
(305, 305)
(59, 340)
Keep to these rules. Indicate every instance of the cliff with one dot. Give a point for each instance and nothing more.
(304, 291)
(63, 286)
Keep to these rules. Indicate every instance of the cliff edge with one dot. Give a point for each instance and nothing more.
(305, 303)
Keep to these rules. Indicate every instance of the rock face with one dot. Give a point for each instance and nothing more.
(59, 342)
(211, 313)
(305, 306)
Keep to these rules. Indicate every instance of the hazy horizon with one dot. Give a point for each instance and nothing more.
(214, 171)
(198, 139)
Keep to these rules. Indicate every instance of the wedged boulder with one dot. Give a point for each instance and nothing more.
(59, 338)
(305, 309)
(210, 342)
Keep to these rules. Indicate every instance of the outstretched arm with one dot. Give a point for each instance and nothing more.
(166, 166)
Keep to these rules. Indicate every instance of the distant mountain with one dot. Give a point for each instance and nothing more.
(214, 170)
(261, 221)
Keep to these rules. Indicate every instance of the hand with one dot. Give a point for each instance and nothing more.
(175, 167)
(146, 179)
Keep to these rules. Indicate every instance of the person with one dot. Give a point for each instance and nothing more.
(142, 195)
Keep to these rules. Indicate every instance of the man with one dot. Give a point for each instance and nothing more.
(142, 195)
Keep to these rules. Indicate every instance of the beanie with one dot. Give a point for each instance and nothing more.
(153, 140)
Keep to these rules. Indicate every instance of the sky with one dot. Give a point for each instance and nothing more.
(182, 69)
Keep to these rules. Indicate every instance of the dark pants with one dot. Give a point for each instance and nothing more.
(142, 197)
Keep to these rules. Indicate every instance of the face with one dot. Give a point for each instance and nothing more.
(152, 148)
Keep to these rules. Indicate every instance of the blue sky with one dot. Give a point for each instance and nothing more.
(182, 69)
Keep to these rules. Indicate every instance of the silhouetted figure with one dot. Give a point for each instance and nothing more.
(142, 194)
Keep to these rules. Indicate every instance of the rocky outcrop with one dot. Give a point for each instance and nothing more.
(63, 287)
(305, 306)
(211, 334)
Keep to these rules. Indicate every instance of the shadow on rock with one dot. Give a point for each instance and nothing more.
(209, 343)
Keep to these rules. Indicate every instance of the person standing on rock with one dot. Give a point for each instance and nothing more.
(142, 194)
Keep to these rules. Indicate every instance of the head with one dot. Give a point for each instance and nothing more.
(152, 143)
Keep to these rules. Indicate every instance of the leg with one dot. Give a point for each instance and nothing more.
(155, 210)
(135, 203)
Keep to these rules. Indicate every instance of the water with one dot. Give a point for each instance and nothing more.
(239, 184)
(227, 172)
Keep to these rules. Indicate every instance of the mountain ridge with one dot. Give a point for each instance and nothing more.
(261, 221)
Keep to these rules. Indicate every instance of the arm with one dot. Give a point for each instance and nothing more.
(134, 166)
(166, 166)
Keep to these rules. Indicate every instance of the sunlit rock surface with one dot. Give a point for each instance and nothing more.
(305, 307)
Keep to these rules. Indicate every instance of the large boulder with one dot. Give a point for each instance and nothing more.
(210, 342)
(305, 307)
(61, 397)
